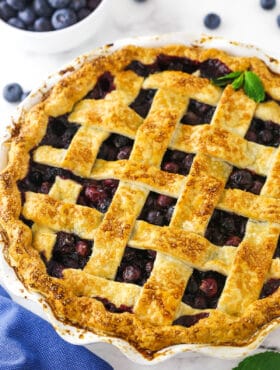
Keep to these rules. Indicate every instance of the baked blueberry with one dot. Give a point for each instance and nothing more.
(59, 4)
(12, 92)
(42, 24)
(63, 18)
(268, 4)
(212, 21)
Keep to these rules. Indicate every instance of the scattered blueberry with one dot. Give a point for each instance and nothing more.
(278, 20)
(12, 92)
(63, 18)
(16, 22)
(27, 16)
(17, 4)
(212, 21)
(59, 4)
(268, 4)
(6, 12)
(24, 95)
(42, 24)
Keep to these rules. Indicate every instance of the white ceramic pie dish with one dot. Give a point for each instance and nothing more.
(36, 303)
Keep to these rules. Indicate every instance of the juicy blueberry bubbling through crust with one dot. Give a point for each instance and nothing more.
(136, 266)
(158, 209)
(204, 289)
(176, 161)
(69, 251)
(245, 180)
(226, 228)
(264, 132)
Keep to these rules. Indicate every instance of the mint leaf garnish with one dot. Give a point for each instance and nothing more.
(248, 80)
(224, 80)
(261, 361)
(238, 82)
(253, 86)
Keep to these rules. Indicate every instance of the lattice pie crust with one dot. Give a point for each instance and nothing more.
(181, 246)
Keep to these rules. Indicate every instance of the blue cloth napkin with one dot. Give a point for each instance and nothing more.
(27, 342)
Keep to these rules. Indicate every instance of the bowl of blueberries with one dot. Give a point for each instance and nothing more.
(51, 26)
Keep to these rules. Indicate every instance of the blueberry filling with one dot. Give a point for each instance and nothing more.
(264, 132)
(69, 251)
(143, 102)
(198, 113)
(176, 161)
(113, 308)
(158, 209)
(204, 289)
(40, 178)
(136, 266)
(210, 68)
(103, 86)
(94, 194)
(98, 194)
(226, 228)
(277, 250)
(190, 320)
(59, 132)
(163, 63)
(270, 287)
(115, 147)
(245, 180)
(213, 68)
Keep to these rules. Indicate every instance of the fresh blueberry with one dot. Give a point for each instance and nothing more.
(93, 4)
(212, 21)
(78, 4)
(17, 4)
(140, 1)
(6, 12)
(42, 8)
(12, 92)
(27, 15)
(59, 4)
(63, 18)
(278, 20)
(83, 13)
(24, 95)
(16, 22)
(42, 24)
(268, 4)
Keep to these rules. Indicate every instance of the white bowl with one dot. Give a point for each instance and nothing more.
(61, 40)
(37, 304)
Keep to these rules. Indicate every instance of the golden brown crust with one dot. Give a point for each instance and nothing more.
(181, 246)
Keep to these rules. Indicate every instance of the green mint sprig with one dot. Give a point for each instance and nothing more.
(248, 80)
(261, 361)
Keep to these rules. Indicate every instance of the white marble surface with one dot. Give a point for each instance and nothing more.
(241, 20)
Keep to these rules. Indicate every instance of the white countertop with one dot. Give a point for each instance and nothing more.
(241, 21)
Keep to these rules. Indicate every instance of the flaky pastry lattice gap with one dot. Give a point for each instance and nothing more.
(142, 201)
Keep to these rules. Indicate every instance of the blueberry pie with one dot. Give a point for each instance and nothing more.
(142, 201)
